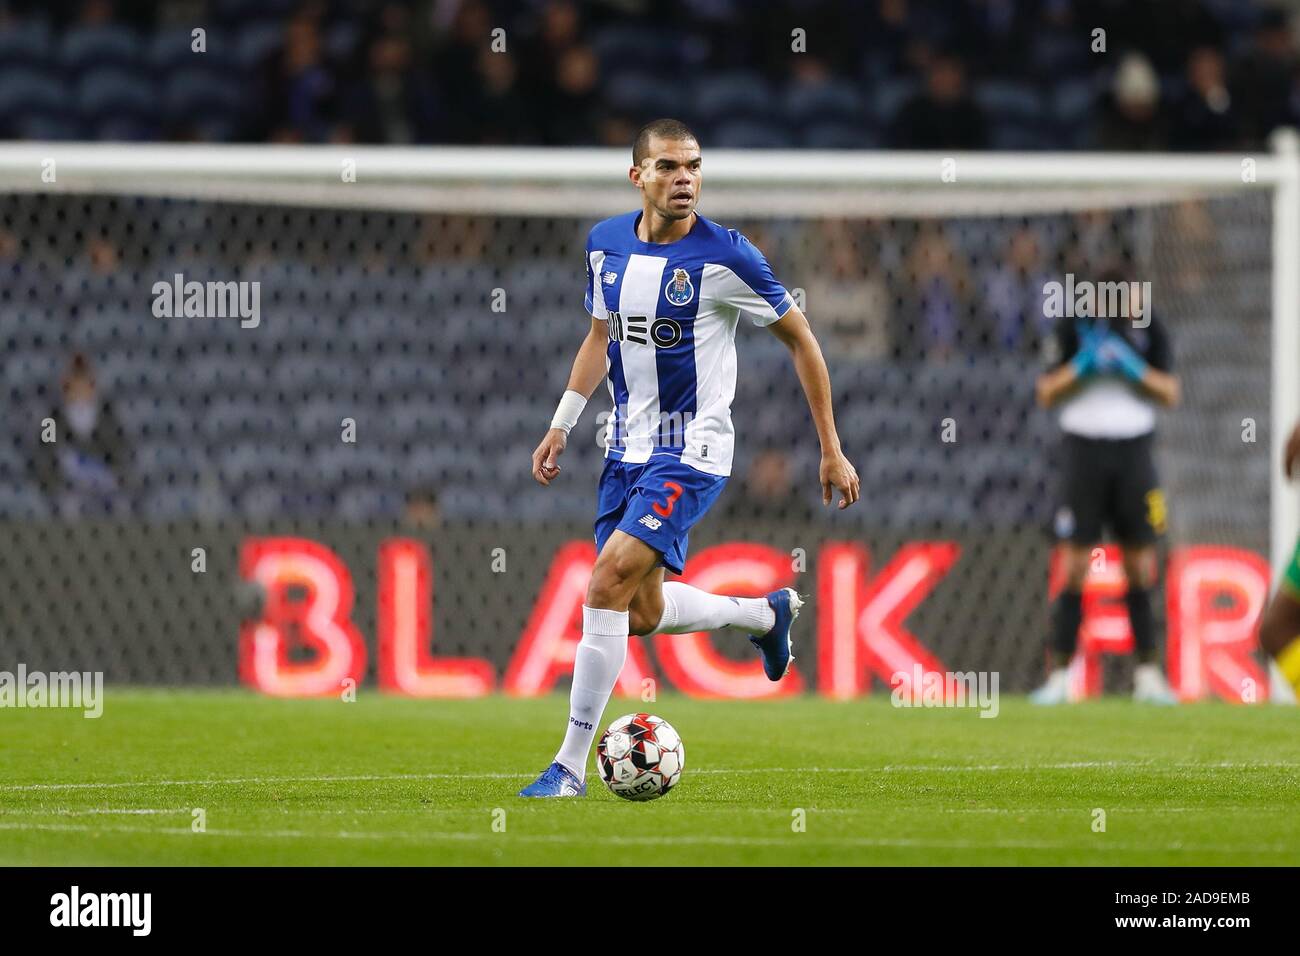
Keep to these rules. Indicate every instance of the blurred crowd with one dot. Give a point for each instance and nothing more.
(1000, 74)
(113, 409)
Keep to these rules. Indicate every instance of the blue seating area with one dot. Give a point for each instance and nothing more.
(446, 395)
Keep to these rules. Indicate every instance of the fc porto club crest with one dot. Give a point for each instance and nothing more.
(679, 290)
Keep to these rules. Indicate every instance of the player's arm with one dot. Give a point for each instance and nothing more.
(836, 471)
(1055, 384)
(588, 370)
(1070, 360)
(1152, 375)
(1291, 464)
(1162, 386)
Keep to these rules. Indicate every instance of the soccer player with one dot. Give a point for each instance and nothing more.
(1279, 630)
(666, 289)
(1106, 376)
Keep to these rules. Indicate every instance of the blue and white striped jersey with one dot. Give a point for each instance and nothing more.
(672, 310)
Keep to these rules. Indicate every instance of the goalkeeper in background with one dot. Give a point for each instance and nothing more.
(1279, 630)
(1105, 378)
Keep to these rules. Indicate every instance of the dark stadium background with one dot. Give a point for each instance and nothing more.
(214, 435)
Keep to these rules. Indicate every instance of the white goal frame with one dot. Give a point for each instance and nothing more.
(559, 181)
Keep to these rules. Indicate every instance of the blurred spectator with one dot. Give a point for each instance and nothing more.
(441, 72)
(421, 512)
(1206, 117)
(1262, 76)
(1130, 119)
(567, 119)
(942, 117)
(768, 491)
(83, 470)
(935, 299)
(394, 103)
(848, 304)
(299, 93)
(1013, 295)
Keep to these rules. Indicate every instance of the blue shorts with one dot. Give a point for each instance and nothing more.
(658, 502)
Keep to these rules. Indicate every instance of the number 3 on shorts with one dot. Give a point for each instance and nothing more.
(674, 492)
(1156, 514)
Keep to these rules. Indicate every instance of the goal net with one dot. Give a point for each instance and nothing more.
(271, 413)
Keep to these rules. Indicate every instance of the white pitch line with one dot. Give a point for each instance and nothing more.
(240, 781)
(790, 842)
(423, 812)
(35, 812)
(888, 768)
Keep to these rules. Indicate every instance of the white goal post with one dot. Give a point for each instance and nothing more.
(591, 183)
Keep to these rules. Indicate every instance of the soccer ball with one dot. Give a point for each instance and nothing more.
(640, 757)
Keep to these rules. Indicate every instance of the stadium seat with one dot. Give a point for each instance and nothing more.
(229, 419)
(739, 95)
(33, 95)
(26, 43)
(118, 104)
(296, 374)
(23, 501)
(97, 46)
(255, 42)
(228, 375)
(172, 502)
(406, 376)
(207, 100)
(639, 93)
(840, 135)
(805, 104)
(368, 502)
(744, 134)
(250, 461)
(890, 95)
(28, 371)
(1008, 99)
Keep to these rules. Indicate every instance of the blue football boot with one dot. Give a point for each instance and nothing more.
(775, 644)
(555, 781)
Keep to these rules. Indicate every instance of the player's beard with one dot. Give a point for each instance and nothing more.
(677, 215)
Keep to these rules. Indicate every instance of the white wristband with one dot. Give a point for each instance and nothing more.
(568, 411)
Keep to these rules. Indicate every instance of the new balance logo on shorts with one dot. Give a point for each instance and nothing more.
(651, 522)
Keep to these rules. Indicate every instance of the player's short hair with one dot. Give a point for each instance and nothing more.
(664, 129)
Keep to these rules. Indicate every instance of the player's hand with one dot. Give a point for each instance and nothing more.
(1114, 354)
(837, 472)
(1293, 453)
(1091, 335)
(546, 466)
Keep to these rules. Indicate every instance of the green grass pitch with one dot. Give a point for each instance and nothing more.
(392, 781)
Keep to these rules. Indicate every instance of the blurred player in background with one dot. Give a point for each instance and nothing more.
(1106, 376)
(666, 289)
(1279, 630)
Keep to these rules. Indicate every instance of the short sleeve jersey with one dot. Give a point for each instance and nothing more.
(672, 310)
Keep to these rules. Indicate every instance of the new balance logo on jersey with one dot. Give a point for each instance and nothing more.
(651, 522)
(610, 278)
(663, 333)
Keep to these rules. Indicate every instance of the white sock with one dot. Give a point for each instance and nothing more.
(688, 609)
(596, 667)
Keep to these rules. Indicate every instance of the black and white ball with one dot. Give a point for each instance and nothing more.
(640, 757)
